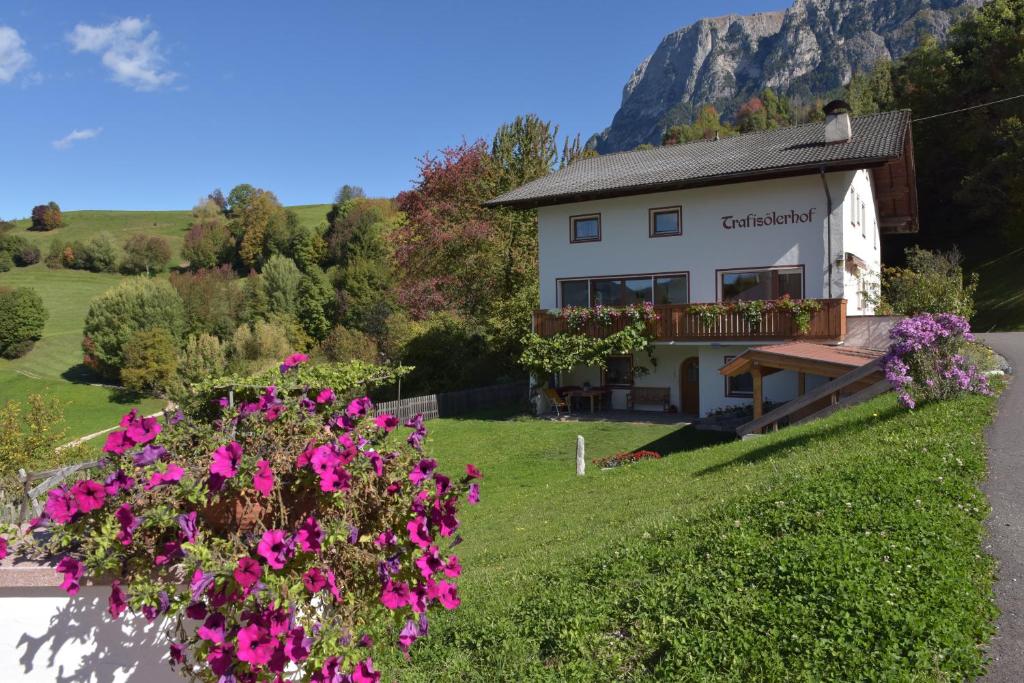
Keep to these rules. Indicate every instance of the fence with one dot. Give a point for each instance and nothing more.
(452, 403)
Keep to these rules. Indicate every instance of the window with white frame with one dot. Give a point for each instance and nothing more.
(656, 288)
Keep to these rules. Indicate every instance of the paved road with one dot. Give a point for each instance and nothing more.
(1005, 490)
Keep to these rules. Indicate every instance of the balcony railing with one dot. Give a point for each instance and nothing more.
(681, 322)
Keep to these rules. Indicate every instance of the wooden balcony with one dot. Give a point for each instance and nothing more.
(679, 322)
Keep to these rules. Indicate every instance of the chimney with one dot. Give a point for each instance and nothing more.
(837, 122)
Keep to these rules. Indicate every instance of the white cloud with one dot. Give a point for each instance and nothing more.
(129, 49)
(76, 135)
(13, 55)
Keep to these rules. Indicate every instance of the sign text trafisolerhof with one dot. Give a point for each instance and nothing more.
(763, 220)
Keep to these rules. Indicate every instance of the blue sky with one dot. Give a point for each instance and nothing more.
(130, 105)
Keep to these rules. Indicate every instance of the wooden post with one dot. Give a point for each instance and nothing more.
(801, 383)
(755, 372)
(581, 461)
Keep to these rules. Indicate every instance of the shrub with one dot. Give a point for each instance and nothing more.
(209, 242)
(6, 262)
(309, 533)
(150, 361)
(146, 254)
(55, 253)
(7, 226)
(931, 282)
(926, 363)
(100, 254)
(30, 432)
(19, 250)
(450, 353)
(47, 217)
(116, 315)
(22, 318)
(280, 280)
(213, 300)
(203, 357)
(343, 344)
(315, 303)
(259, 344)
(27, 256)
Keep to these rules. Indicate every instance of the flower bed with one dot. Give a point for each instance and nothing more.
(626, 458)
(286, 537)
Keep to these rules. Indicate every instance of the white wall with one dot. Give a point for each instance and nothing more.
(46, 636)
(861, 238)
(626, 248)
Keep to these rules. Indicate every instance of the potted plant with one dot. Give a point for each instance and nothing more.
(284, 533)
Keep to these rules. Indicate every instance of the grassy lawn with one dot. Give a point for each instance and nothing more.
(848, 549)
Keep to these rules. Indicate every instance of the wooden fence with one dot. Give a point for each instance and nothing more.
(452, 403)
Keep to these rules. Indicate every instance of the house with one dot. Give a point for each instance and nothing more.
(795, 212)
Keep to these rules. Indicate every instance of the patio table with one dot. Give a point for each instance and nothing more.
(587, 393)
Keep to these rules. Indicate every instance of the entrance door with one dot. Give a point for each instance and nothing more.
(689, 386)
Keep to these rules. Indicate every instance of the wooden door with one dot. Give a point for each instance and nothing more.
(689, 386)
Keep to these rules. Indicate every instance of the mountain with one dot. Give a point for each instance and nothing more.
(808, 50)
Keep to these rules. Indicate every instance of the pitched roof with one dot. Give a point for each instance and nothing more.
(877, 139)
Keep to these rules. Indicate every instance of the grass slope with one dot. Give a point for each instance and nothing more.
(848, 549)
(1000, 297)
(53, 366)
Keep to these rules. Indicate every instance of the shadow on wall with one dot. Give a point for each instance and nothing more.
(46, 636)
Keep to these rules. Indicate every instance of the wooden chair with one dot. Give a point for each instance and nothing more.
(557, 402)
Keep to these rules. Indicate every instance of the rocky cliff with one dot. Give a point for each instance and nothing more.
(810, 49)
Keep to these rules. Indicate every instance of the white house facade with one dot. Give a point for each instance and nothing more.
(784, 213)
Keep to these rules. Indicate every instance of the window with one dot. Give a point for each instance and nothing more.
(767, 283)
(667, 288)
(863, 223)
(667, 221)
(585, 228)
(619, 372)
(740, 386)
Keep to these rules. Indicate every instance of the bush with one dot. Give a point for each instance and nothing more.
(203, 357)
(926, 361)
(146, 254)
(18, 249)
(280, 279)
(213, 300)
(451, 353)
(116, 315)
(6, 262)
(47, 217)
(257, 346)
(150, 361)
(209, 242)
(22, 318)
(55, 253)
(343, 344)
(98, 255)
(30, 432)
(27, 256)
(292, 535)
(931, 282)
(315, 304)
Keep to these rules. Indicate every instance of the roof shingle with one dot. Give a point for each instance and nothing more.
(876, 139)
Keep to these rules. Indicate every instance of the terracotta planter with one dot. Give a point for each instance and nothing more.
(243, 515)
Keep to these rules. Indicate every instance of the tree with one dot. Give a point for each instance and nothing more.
(217, 197)
(100, 254)
(18, 250)
(307, 247)
(30, 433)
(347, 192)
(239, 198)
(146, 254)
(208, 242)
(47, 217)
(343, 344)
(135, 304)
(257, 225)
(22, 318)
(280, 279)
(213, 300)
(932, 282)
(359, 244)
(315, 303)
(707, 126)
(150, 361)
(204, 356)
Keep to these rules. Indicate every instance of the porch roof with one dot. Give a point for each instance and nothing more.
(801, 356)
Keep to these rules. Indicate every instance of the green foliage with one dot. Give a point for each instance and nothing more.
(213, 300)
(307, 247)
(343, 344)
(259, 345)
(280, 280)
(208, 242)
(17, 250)
(765, 112)
(203, 356)
(30, 433)
(315, 303)
(147, 254)
(451, 353)
(347, 192)
(46, 217)
(150, 361)
(115, 316)
(261, 226)
(365, 275)
(22, 318)
(931, 282)
(708, 125)
(100, 254)
(6, 261)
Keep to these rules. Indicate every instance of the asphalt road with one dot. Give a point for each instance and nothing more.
(1005, 490)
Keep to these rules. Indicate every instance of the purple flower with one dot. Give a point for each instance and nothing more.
(72, 570)
(60, 505)
(226, 459)
(292, 361)
(117, 482)
(474, 494)
(149, 455)
(201, 581)
(89, 495)
(129, 523)
(422, 470)
(187, 522)
(118, 601)
(314, 580)
(263, 480)
(310, 536)
(276, 548)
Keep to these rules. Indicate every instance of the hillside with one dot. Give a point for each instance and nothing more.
(808, 50)
(53, 366)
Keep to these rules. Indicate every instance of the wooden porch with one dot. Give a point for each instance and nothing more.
(681, 322)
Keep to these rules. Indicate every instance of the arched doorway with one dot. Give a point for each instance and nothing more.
(689, 386)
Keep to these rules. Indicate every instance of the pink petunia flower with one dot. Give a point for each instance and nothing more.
(276, 548)
(248, 573)
(473, 473)
(117, 482)
(213, 629)
(118, 601)
(143, 430)
(325, 396)
(418, 532)
(474, 494)
(394, 595)
(263, 479)
(292, 361)
(221, 659)
(60, 505)
(117, 442)
(359, 407)
(89, 495)
(386, 422)
(72, 570)
(3, 547)
(445, 593)
(171, 475)
(226, 459)
(310, 536)
(422, 470)
(365, 673)
(176, 653)
(314, 580)
(386, 537)
(296, 645)
(129, 523)
(255, 645)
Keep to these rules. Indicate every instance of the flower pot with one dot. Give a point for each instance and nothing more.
(243, 515)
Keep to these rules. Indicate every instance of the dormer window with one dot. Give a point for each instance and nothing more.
(585, 228)
(666, 221)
